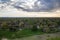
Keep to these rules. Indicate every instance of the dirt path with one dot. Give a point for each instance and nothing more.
(40, 37)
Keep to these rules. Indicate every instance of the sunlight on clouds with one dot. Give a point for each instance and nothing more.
(14, 13)
(29, 8)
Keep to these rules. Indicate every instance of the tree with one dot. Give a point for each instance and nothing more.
(34, 27)
(4, 25)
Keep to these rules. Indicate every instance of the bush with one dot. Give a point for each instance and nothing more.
(34, 28)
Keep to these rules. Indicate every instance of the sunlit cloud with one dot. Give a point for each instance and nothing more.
(27, 8)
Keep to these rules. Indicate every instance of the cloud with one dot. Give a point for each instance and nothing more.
(37, 5)
(58, 1)
(31, 5)
(38, 8)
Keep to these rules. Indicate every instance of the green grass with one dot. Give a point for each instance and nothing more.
(23, 33)
(18, 34)
(56, 38)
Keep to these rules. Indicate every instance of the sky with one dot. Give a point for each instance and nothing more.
(20, 8)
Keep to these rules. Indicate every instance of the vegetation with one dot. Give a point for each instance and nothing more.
(56, 38)
(21, 27)
(18, 34)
